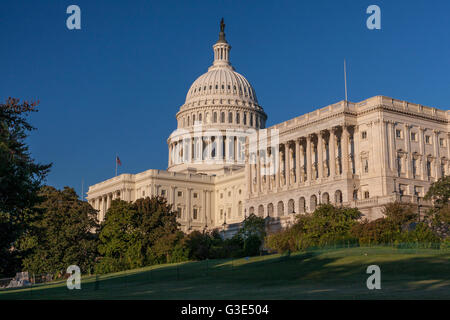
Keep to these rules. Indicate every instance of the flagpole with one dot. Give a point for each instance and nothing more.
(345, 80)
(116, 164)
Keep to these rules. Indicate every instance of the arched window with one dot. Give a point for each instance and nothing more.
(251, 119)
(230, 117)
(291, 206)
(301, 205)
(280, 208)
(251, 210)
(222, 117)
(270, 209)
(200, 117)
(245, 118)
(237, 117)
(338, 197)
(240, 208)
(261, 210)
(215, 117)
(313, 203)
(326, 198)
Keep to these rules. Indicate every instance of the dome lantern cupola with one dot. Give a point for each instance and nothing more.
(221, 50)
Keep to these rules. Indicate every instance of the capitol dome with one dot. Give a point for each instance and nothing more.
(220, 110)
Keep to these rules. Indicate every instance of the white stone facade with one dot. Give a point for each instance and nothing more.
(224, 164)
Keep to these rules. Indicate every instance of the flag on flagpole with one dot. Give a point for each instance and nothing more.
(118, 162)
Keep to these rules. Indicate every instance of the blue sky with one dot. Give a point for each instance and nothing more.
(115, 85)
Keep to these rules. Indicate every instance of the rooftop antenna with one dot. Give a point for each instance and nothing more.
(345, 80)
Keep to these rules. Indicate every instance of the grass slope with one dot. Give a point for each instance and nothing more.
(318, 274)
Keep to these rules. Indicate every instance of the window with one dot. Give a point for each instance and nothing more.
(366, 166)
(222, 117)
(195, 213)
(229, 193)
(215, 117)
(178, 212)
(366, 195)
(441, 142)
(428, 168)
(221, 196)
(163, 192)
(237, 118)
(143, 193)
(398, 133)
(245, 118)
(221, 213)
(230, 117)
(413, 136)
(364, 135)
(229, 212)
(180, 193)
(195, 195)
(428, 139)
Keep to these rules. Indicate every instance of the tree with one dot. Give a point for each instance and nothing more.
(63, 234)
(137, 234)
(439, 191)
(21, 177)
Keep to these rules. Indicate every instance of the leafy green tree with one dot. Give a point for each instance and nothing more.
(20, 179)
(439, 191)
(137, 234)
(63, 234)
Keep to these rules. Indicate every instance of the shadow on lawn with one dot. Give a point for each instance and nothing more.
(317, 270)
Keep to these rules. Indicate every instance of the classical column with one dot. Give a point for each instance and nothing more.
(437, 161)
(408, 150)
(423, 160)
(297, 161)
(393, 148)
(188, 207)
(287, 176)
(276, 162)
(258, 170)
(320, 154)
(332, 146)
(308, 158)
(345, 152)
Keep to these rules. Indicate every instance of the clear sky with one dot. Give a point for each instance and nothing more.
(115, 85)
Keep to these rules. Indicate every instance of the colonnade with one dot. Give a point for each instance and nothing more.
(314, 157)
(207, 148)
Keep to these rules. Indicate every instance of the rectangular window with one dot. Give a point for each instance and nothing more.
(413, 136)
(195, 195)
(163, 192)
(427, 139)
(364, 135)
(195, 213)
(180, 193)
(398, 133)
(178, 212)
(441, 142)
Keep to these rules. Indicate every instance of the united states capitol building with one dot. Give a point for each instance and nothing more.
(224, 164)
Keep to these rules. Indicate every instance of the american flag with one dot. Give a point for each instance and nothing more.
(118, 161)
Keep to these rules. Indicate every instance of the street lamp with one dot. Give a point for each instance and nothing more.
(224, 225)
(320, 199)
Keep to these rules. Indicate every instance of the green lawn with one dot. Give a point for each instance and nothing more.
(318, 274)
